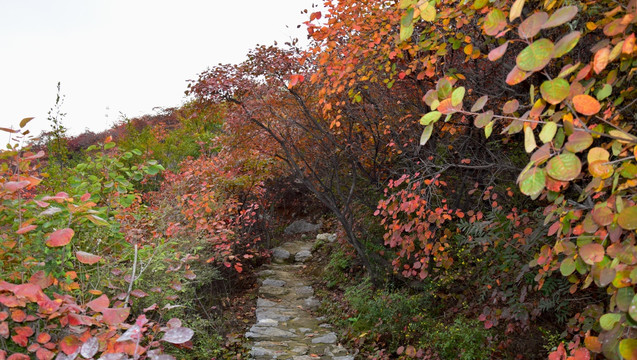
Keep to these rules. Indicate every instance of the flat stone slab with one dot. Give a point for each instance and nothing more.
(325, 339)
(280, 254)
(265, 303)
(301, 227)
(267, 332)
(273, 290)
(273, 282)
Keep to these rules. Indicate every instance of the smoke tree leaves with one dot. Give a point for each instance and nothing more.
(535, 56)
(564, 167)
(555, 91)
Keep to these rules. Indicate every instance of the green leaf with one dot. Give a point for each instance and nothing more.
(608, 321)
(457, 96)
(535, 56)
(430, 117)
(567, 267)
(548, 132)
(627, 219)
(625, 297)
(406, 25)
(532, 182)
(604, 92)
(483, 119)
(494, 22)
(479, 103)
(532, 25)
(565, 44)
(428, 11)
(628, 349)
(444, 88)
(561, 16)
(488, 129)
(555, 91)
(426, 134)
(479, 4)
(109, 145)
(564, 167)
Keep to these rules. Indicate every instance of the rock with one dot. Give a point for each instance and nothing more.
(312, 302)
(267, 322)
(302, 255)
(273, 290)
(300, 227)
(325, 339)
(273, 282)
(346, 357)
(266, 332)
(326, 237)
(265, 303)
(304, 291)
(266, 272)
(326, 326)
(280, 254)
(273, 314)
(301, 350)
(303, 357)
(304, 330)
(259, 351)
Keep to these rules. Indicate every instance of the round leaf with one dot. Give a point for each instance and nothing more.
(483, 119)
(532, 25)
(586, 104)
(602, 215)
(579, 141)
(567, 267)
(601, 168)
(511, 106)
(87, 258)
(555, 91)
(564, 167)
(592, 253)
(608, 321)
(494, 22)
(535, 56)
(532, 182)
(627, 218)
(178, 335)
(60, 237)
(516, 76)
(628, 349)
(561, 16)
(604, 92)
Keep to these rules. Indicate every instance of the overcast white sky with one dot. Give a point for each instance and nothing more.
(125, 56)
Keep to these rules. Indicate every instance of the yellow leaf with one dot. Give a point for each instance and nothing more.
(468, 49)
(591, 26)
(529, 139)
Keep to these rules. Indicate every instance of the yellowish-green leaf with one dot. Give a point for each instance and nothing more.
(628, 349)
(532, 182)
(494, 22)
(483, 119)
(457, 96)
(430, 118)
(604, 92)
(627, 219)
(548, 132)
(426, 134)
(555, 91)
(566, 44)
(428, 11)
(529, 140)
(535, 56)
(564, 167)
(488, 129)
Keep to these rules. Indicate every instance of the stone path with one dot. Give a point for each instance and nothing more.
(286, 328)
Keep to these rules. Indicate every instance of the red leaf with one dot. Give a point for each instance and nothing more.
(26, 229)
(41, 279)
(60, 237)
(295, 79)
(43, 338)
(98, 304)
(44, 354)
(115, 316)
(13, 186)
(4, 329)
(70, 344)
(87, 258)
(31, 292)
(18, 356)
(488, 324)
(18, 315)
(238, 268)
(138, 293)
(85, 197)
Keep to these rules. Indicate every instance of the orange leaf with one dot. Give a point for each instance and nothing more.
(70, 344)
(601, 60)
(13, 186)
(60, 237)
(586, 105)
(26, 229)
